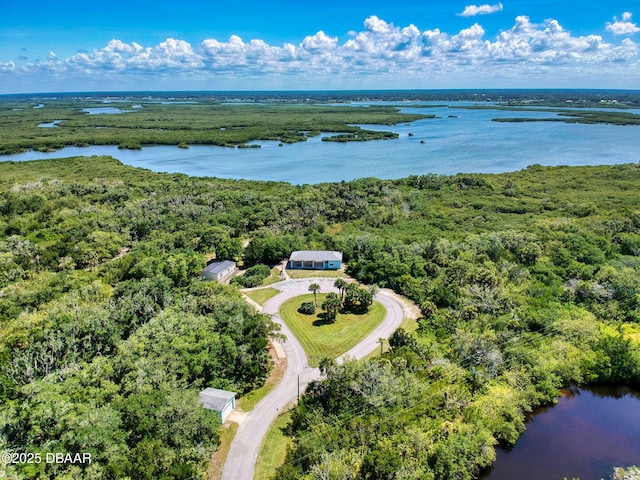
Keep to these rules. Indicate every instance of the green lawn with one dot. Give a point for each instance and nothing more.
(321, 339)
(316, 274)
(262, 295)
(273, 278)
(273, 449)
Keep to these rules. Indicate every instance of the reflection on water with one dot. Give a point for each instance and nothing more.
(587, 434)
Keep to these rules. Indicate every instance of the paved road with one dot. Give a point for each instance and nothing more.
(240, 463)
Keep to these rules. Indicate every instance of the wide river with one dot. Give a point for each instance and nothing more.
(458, 141)
(587, 434)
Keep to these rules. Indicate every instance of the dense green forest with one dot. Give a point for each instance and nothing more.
(107, 336)
(527, 282)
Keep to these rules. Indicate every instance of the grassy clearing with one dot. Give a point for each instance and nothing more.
(321, 339)
(273, 278)
(316, 274)
(273, 449)
(261, 295)
(409, 324)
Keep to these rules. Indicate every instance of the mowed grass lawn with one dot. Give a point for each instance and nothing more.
(261, 295)
(321, 339)
(295, 274)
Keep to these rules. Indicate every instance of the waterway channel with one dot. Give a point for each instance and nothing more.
(588, 433)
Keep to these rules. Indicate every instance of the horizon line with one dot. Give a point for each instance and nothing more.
(319, 91)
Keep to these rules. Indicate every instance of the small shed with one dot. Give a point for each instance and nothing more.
(315, 260)
(220, 401)
(219, 271)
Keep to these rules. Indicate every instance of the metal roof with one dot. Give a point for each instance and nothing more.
(317, 255)
(218, 267)
(215, 399)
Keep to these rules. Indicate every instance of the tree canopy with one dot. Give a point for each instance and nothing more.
(527, 282)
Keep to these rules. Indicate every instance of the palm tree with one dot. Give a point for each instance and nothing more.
(341, 285)
(315, 288)
(332, 305)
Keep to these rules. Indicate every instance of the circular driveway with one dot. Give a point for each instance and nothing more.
(242, 456)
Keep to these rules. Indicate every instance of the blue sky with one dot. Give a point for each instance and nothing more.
(70, 45)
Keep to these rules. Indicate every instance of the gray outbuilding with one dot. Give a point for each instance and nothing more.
(219, 271)
(220, 401)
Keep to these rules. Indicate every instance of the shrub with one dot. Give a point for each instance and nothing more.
(253, 277)
(258, 270)
(251, 281)
(307, 308)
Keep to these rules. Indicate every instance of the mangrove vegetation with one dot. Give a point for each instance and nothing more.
(134, 124)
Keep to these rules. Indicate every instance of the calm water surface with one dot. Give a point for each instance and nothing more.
(469, 143)
(586, 435)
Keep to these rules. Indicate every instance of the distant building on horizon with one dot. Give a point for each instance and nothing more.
(315, 260)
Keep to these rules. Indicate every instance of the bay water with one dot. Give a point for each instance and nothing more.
(458, 140)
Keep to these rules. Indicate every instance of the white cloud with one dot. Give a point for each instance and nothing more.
(624, 26)
(235, 55)
(473, 10)
(119, 56)
(319, 41)
(380, 51)
(120, 47)
(382, 40)
(172, 53)
(8, 67)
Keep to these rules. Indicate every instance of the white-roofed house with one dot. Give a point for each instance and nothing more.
(220, 401)
(315, 260)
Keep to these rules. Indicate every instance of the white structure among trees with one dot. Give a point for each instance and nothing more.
(220, 401)
(219, 271)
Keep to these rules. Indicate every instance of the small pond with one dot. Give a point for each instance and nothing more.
(53, 124)
(106, 110)
(588, 433)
